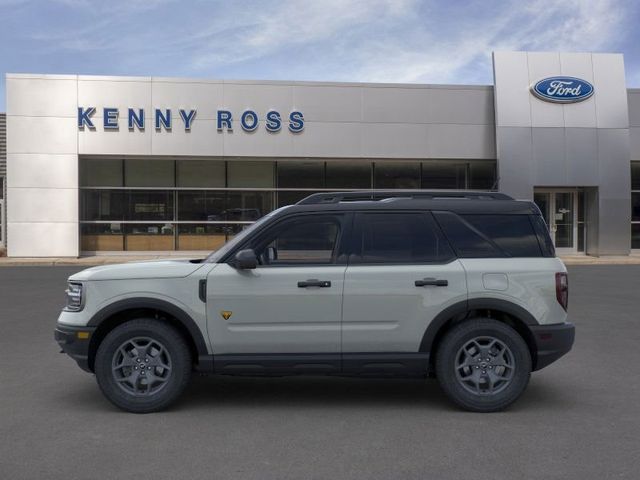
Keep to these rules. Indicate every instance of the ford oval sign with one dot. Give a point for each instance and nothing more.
(562, 89)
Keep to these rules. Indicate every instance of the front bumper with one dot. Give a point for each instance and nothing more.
(552, 342)
(75, 341)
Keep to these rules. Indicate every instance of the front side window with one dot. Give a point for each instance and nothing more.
(309, 239)
(397, 238)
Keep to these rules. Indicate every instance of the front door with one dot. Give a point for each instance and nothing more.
(560, 211)
(292, 302)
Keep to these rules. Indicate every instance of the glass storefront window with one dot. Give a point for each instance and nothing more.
(241, 174)
(635, 235)
(201, 173)
(149, 237)
(202, 236)
(345, 174)
(98, 172)
(247, 206)
(400, 175)
(106, 237)
(150, 205)
(635, 206)
(482, 176)
(290, 198)
(436, 175)
(102, 205)
(149, 173)
(300, 174)
(635, 175)
(201, 205)
(205, 193)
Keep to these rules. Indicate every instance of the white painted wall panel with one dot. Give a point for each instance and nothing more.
(43, 96)
(543, 65)
(328, 103)
(44, 239)
(510, 71)
(45, 135)
(610, 91)
(581, 114)
(117, 93)
(29, 170)
(206, 97)
(43, 205)
(381, 140)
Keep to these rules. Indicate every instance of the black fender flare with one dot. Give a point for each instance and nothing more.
(464, 307)
(155, 304)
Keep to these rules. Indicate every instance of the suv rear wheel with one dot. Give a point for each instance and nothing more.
(143, 365)
(483, 365)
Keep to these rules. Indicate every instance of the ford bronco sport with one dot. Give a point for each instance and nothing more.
(463, 286)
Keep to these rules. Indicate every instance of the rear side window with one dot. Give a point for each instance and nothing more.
(394, 238)
(514, 234)
(483, 236)
(467, 241)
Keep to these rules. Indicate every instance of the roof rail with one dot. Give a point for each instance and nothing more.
(377, 195)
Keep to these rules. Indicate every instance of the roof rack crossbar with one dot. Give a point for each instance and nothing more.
(377, 195)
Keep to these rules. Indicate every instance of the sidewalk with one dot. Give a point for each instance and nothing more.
(109, 259)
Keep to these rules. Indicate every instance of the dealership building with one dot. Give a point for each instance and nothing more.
(113, 165)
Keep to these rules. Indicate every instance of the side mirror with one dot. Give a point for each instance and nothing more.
(246, 259)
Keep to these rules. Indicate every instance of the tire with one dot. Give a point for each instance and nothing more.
(143, 365)
(471, 365)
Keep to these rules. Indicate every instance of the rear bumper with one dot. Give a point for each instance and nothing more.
(552, 342)
(74, 345)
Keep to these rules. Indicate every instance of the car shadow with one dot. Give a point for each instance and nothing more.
(225, 392)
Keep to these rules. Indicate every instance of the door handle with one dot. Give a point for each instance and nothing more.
(314, 283)
(431, 282)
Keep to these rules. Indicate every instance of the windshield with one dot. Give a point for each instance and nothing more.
(239, 238)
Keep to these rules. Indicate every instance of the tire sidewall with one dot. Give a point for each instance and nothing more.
(459, 336)
(178, 377)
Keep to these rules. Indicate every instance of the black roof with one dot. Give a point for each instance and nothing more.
(458, 201)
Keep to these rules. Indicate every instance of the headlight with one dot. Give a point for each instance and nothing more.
(74, 297)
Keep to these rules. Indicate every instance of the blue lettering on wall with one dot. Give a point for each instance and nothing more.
(274, 122)
(249, 120)
(163, 120)
(110, 118)
(187, 118)
(296, 121)
(84, 117)
(135, 120)
(224, 120)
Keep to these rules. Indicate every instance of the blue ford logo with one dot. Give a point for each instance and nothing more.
(562, 89)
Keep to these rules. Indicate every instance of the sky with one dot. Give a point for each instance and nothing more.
(404, 41)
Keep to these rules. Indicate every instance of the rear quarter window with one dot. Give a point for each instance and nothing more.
(491, 235)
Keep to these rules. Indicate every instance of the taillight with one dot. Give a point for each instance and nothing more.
(562, 289)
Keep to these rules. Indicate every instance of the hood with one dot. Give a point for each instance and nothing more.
(139, 270)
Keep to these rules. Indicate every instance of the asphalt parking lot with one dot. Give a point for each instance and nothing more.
(579, 419)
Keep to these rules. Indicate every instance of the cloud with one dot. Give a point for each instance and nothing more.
(425, 41)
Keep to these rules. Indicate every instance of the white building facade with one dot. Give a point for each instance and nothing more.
(147, 164)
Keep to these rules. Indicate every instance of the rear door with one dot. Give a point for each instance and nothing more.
(401, 274)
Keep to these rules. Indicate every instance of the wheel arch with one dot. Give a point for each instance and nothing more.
(502, 310)
(119, 312)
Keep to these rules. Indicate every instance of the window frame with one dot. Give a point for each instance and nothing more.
(268, 232)
(428, 218)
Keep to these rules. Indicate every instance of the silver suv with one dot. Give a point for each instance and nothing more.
(463, 286)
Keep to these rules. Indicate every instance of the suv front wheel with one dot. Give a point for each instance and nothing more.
(483, 365)
(143, 365)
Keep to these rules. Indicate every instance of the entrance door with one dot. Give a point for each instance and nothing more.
(560, 211)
